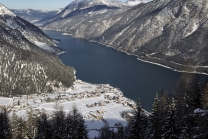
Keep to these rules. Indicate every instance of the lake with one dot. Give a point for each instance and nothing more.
(95, 63)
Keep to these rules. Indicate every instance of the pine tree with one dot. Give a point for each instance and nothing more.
(14, 125)
(43, 127)
(105, 133)
(204, 127)
(153, 131)
(127, 130)
(75, 116)
(81, 131)
(59, 124)
(170, 129)
(30, 126)
(205, 96)
(120, 132)
(20, 128)
(113, 135)
(137, 130)
(197, 103)
(68, 127)
(4, 125)
(186, 90)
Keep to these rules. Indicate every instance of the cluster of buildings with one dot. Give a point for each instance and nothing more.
(96, 104)
(79, 91)
(97, 114)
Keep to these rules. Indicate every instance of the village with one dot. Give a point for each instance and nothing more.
(102, 96)
(100, 104)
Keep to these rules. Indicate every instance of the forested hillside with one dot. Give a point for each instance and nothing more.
(24, 67)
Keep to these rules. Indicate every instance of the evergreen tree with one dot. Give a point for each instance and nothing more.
(186, 92)
(43, 127)
(105, 133)
(30, 126)
(75, 116)
(127, 130)
(170, 129)
(204, 127)
(20, 128)
(4, 125)
(205, 96)
(120, 131)
(113, 135)
(153, 131)
(137, 130)
(59, 125)
(68, 127)
(197, 103)
(182, 113)
(15, 122)
(81, 132)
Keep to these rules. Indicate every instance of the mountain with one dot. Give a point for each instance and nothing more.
(86, 8)
(134, 2)
(29, 31)
(167, 32)
(34, 15)
(24, 67)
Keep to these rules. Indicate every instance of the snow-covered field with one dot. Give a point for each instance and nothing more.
(6, 101)
(99, 104)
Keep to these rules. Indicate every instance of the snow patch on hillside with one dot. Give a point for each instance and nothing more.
(49, 48)
(5, 11)
(136, 2)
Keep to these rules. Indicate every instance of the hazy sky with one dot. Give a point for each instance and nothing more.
(37, 4)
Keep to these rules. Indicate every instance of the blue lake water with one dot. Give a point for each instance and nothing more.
(98, 64)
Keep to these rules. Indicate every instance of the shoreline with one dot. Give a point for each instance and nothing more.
(170, 64)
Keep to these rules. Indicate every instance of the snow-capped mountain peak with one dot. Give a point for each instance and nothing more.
(135, 2)
(5, 11)
(84, 4)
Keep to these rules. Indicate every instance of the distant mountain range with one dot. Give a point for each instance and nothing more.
(25, 67)
(34, 15)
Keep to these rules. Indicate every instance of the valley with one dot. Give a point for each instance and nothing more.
(156, 31)
(105, 69)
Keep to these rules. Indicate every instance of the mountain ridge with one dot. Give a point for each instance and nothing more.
(158, 31)
(25, 68)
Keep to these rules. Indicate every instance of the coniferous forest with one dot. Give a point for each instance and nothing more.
(179, 115)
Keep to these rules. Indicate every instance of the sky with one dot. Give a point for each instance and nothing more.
(37, 4)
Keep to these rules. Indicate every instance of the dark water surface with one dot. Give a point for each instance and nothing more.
(98, 64)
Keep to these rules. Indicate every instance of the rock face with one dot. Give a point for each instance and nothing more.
(168, 32)
(24, 67)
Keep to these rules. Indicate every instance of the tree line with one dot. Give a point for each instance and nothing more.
(180, 115)
(60, 126)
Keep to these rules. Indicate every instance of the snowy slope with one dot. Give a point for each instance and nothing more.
(34, 15)
(78, 7)
(25, 67)
(28, 30)
(136, 2)
(5, 11)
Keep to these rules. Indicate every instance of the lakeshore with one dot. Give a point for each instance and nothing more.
(147, 58)
(100, 104)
